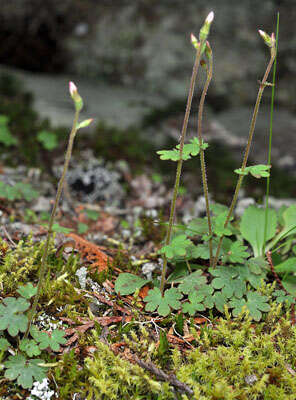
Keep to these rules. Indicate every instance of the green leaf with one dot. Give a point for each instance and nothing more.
(127, 283)
(227, 279)
(82, 228)
(27, 291)
(192, 282)
(252, 227)
(30, 347)
(198, 226)
(180, 271)
(236, 253)
(289, 217)
(58, 228)
(189, 150)
(282, 297)
(48, 339)
(6, 137)
(218, 299)
(11, 317)
(26, 191)
(48, 139)
(258, 171)
(18, 367)
(92, 214)
(196, 299)
(177, 247)
(247, 274)
(218, 208)
(218, 223)
(173, 155)
(4, 344)
(201, 251)
(255, 303)
(163, 304)
(289, 283)
(288, 266)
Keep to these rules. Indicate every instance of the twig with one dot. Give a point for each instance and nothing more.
(162, 376)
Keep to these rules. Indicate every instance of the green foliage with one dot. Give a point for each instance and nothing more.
(19, 191)
(46, 340)
(163, 304)
(48, 139)
(24, 371)
(111, 377)
(12, 317)
(60, 229)
(236, 253)
(128, 283)
(178, 247)
(282, 297)
(254, 303)
(27, 291)
(252, 227)
(14, 320)
(258, 171)
(192, 282)
(92, 214)
(30, 347)
(189, 150)
(6, 137)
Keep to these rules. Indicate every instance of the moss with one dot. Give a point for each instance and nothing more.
(111, 377)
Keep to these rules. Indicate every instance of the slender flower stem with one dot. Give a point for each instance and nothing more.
(202, 152)
(180, 161)
(43, 265)
(245, 159)
(270, 133)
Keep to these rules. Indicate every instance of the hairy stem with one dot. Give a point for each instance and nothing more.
(180, 161)
(270, 134)
(202, 152)
(248, 146)
(43, 265)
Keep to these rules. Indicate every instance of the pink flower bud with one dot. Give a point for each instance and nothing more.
(75, 96)
(194, 41)
(210, 18)
(72, 88)
(205, 30)
(269, 40)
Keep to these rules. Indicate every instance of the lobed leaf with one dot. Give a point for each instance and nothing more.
(163, 304)
(24, 371)
(12, 317)
(127, 283)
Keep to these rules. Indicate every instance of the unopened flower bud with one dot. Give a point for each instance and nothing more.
(75, 96)
(194, 41)
(205, 30)
(84, 123)
(269, 41)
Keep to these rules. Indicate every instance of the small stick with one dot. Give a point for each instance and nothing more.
(162, 376)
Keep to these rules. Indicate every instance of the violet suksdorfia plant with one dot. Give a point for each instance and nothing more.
(78, 103)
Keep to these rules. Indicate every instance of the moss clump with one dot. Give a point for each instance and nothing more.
(111, 377)
(238, 360)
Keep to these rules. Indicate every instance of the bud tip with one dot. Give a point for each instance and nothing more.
(72, 88)
(210, 18)
(193, 38)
